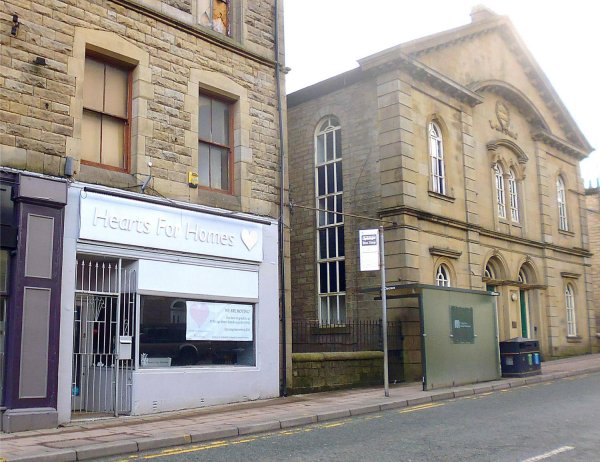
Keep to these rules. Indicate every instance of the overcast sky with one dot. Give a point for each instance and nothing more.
(326, 37)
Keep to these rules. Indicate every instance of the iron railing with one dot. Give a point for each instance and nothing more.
(354, 335)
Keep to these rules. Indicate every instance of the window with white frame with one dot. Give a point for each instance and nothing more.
(442, 276)
(436, 152)
(500, 198)
(331, 259)
(514, 196)
(561, 194)
(570, 304)
(489, 272)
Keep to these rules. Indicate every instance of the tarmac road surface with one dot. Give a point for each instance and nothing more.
(555, 421)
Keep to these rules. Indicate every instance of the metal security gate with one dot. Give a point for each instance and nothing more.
(103, 337)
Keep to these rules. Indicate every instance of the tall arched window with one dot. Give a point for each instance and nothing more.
(570, 304)
(442, 276)
(561, 195)
(514, 197)
(331, 260)
(436, 151)
(500, 198)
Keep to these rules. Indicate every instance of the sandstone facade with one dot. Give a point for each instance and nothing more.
(493, 106)
(592, 204)
(173, 57)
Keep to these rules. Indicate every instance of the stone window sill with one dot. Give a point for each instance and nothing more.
(575, 339)
(441, 196)
(566, 233)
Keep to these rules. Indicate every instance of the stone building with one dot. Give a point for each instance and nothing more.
(140, 172)
(592, 205)
(460, 144)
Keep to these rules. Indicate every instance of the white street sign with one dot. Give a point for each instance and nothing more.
(369, 249)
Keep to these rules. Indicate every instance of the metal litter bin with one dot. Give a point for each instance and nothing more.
(520, 357)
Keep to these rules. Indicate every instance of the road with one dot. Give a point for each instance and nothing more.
(556, 421)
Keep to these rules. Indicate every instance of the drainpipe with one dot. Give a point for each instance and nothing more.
(283, 390)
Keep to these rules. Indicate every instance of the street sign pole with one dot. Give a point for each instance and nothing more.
(386, 381)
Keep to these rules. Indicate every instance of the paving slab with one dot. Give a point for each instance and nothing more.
(85, 439)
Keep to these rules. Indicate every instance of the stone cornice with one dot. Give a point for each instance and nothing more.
(555, 142)
(459, 224)
(448, 253)
(569, 275)
(205, 34)
(398, 60)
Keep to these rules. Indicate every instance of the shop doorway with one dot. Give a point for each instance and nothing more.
(103, 337)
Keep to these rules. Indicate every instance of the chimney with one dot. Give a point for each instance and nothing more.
(481, 13)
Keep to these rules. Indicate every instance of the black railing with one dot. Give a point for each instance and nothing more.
(353, 335)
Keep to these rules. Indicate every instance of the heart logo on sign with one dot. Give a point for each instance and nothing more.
(249, 238)
(199, 313)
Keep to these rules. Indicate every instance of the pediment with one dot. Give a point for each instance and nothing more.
(441, 53)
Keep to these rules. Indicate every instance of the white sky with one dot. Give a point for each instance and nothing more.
(324, 38)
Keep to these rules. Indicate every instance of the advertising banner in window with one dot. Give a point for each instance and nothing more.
(218, 321)
(368, 241)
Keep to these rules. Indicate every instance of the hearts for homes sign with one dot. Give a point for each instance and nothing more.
(126, 221)
(218, 321)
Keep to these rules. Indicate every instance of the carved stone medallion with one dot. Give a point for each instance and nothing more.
(503, 116)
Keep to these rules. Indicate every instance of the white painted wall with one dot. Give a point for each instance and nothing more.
(167, 389)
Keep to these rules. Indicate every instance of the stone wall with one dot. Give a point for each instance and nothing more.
(593, 215)
(314, 372)
(361, 194)
(172, 57)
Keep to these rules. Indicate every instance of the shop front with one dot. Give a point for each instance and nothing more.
(165, 305)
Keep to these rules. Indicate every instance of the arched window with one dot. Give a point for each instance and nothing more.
(331, 260)
(561, 194)
(522, 276)
(570, 304)
(489, 272)
(436, 151)
(514, 199)
(442, 276)
(500, 199)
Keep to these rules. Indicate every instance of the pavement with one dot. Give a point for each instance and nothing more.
(102, 437)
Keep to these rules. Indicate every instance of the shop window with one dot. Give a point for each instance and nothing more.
(105, 130)
(514, 196)
(210, 333)
(500, 197)
(570, 305)
(561, 194)
(442, 276)
(436, 152)
(331, 258)
(214, 14)
(215, 155)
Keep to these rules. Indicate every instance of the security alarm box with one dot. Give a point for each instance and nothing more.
(193, 179)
